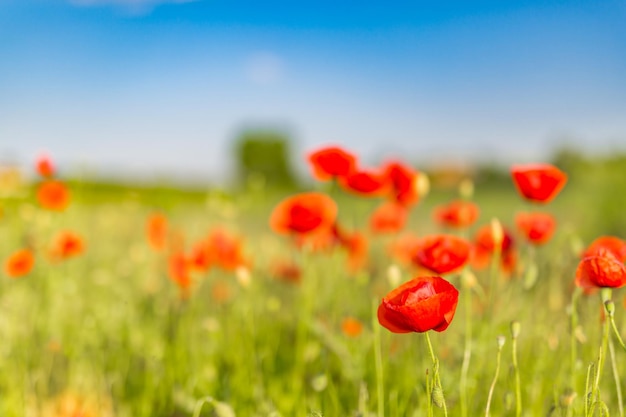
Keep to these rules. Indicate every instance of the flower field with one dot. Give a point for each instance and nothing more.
(372, 292)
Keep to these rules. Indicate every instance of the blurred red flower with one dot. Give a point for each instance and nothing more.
(351, 327)
(44, 166)
(539, 183)
(19, 263)
(389, 217)
(304, 213)
(402, 183)
(66, 245)
(442, 253)
(457, 214)
(485, 244)
(357, 247)
(365, 183)
(536, 227)
(331, 162)
(611, 244)
(602, 269)
(404, 247)
(180, 272)
(156, 231)
(53, 195)
(287, 271)
(419, 305)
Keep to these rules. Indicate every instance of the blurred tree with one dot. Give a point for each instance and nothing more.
(263, 157)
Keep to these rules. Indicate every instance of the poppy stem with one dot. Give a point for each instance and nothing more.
(495, 377)
(437, 391)
(467, 352)
(515, 330)
(610, 309)
(618, 387)
(380, 389)
(573, 345)
(606, 297)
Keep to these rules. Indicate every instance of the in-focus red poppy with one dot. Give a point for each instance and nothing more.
(44, 166)
(536, 227)
(389, 217)
(402, 181)
(156, 231)
(351, 327)
(365, 183)
(601, 270)
(419, 305)
(611, 244)
(53, 195)
(457, 214)
(442, 253)
(539, 183)
(331, 162)
(66, 245)
(20, 263)
(201, 258)
(304, 213)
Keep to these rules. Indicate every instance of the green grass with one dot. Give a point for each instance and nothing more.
(109, 328)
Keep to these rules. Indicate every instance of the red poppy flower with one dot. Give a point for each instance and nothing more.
(611, 244)
(390, 217)
(601, 270)
(179, 271)
(287, 271)
(66, 245)
(331, 162)
(20, 263)
(45, 167)
(404, 247)
(457, 214)
(303, 214)
(536, 227)
(364, 183)
(538, 182)
(419, 305)
(486, 240)
(53, 195)
(442, 253)
(485, 245)
(357, 247)
(351, 327)
(156, 231)
(402, 182)
(226, 250)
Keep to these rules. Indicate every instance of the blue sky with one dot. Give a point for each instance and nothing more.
(144, 87)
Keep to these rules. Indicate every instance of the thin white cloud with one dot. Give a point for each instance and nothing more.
(264, 68)
(129, 6)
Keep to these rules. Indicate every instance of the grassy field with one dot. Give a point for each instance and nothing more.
(107, 333)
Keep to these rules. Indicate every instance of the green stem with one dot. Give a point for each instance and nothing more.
(606, 296)
(467, 352)
(436, 378)
(380, 393)
(573, 345)
(495, 378)
(618, 387)
(616, 331)
(515, 328)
